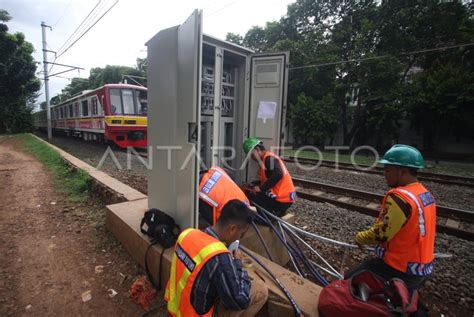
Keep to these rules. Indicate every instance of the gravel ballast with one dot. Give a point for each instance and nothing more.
(447, 195)
(448, 292)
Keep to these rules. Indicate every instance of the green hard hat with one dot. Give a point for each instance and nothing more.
(250, 144)
(403, 155)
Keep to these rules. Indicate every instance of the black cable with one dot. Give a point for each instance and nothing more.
(259, 234)
(316, 275)
(153, 309)
(296, 307)
(309, 265)
(289, 247)
(292, 257)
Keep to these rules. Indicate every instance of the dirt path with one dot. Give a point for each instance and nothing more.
(51, 250)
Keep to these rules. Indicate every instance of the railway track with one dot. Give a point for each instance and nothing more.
(425, 176)
(452, 221)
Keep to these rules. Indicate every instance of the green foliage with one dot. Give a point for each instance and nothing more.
(441, 101)
(100, 76)
(357, 54)
(18, 84)
(314, 121)
(142, 65)
(234, 38)
(111, 75)
(76, 86)
(4, 16)
(74, 183)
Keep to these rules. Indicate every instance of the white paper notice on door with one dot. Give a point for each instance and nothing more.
(266, 110)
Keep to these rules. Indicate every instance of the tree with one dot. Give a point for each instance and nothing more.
(98, 77)
(76, 85)
(438, 98)
(440, 102)
(359, 54)
(142, 65)
(234, 38)
(18, 84)
(314, 121)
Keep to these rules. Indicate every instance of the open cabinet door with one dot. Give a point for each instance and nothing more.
(174, 71)
(268, 90)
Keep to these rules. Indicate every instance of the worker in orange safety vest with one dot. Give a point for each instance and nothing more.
(206, 278)
(216, 188)
(276, 192)
(404, 232)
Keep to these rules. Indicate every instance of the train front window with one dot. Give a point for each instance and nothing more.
(115, 101)
(141, 101)
(128, 102)
(127, 97)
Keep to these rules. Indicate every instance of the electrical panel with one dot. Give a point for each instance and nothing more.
(206, 96)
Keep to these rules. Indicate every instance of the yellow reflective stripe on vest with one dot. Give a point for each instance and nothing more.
(175, 296)
(421, 216)
(184, 234)
(171, 294)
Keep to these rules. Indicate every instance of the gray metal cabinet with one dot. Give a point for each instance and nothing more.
(206, 96)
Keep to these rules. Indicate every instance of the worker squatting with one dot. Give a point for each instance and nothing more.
(207, 278)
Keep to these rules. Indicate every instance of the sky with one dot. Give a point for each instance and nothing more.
(120, 36)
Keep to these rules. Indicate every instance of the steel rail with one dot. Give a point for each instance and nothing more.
(373, 209)
(443, 211)
(425, 176)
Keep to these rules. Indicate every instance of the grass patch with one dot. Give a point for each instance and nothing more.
(74, 183)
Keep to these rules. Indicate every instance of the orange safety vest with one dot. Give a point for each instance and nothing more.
(193, 249)
(284, 190)
(217, 188)
(411, 250)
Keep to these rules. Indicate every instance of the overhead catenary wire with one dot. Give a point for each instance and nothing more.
(86, 31)
(89, 27)
(74, 33)
(223, 8)
(381, 56)
(79, 26)
(62, 14)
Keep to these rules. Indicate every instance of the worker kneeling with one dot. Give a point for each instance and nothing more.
(404, 232)
(216, 188)
(276, 192)
(206, 279)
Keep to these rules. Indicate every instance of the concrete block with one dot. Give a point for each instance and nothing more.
(453, 223)
(276, 247)
(373, 206)
(123, 221)
(344, 199)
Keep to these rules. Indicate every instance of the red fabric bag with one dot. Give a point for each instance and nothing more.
(366, 294)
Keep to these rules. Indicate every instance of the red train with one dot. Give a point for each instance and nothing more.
(113, 112)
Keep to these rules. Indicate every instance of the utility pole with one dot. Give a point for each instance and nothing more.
(46, 77)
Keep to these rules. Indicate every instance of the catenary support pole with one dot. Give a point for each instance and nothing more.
(46, 79)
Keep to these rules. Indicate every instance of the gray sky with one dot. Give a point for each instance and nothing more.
(118, 39)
